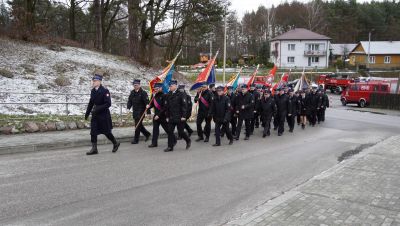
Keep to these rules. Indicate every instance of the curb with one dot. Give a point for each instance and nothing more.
(52, 146)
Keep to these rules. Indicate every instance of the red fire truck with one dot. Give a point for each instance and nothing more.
(335, 82)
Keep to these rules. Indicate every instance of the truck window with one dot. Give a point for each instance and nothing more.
(376, 88)
(384, 88)
(353, 88)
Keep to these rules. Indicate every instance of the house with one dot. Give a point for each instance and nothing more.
(341, 51)
(382, 54)
(300, 48)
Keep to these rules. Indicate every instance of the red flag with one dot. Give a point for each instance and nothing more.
(253, 76)
(271, 75)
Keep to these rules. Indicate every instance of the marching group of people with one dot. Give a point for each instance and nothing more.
(228, 108)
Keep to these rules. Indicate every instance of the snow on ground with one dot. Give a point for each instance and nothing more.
(36, 67)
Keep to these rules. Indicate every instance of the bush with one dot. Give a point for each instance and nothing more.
(62, 81)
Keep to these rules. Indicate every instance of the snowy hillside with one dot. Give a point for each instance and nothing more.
(30, 68)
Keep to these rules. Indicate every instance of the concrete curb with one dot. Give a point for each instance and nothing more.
(81, 142)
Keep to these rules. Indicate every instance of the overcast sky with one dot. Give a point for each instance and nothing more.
(243, 6)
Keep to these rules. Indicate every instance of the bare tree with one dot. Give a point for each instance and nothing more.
(97, 18)
(314, 16)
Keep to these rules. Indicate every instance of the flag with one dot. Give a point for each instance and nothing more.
(253, 76)
(165, 76)
(271, 75)
(284, 80)
(302, 83)
(207, 76)
(233, 81)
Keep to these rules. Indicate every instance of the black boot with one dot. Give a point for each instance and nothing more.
(94, 150)
(147, 137)
(207, 139)
(188, 144)
(231, 141)
(168, 149)
(152, 145)
(134, 141)
(115, 145)
(199, 139)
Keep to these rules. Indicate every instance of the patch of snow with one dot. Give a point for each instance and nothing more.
(75, 64)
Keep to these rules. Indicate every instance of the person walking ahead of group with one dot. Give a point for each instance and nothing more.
(221, 113)
(268, 109)
(99, 104)
(176, 107)
(138, 100)
(204, 98)
(159, 113)
(282, 103)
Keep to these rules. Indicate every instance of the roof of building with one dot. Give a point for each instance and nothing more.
(301, 34)
(379, 47)
(343, 48)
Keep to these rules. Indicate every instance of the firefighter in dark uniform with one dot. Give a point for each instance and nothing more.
(275, 96)
(204, 98)
(304, 109)
(159, 117)
(313, 105)
(189, 103)
(233, 120)
(176, 107)
(138, 100)
(282, 103)
(221, 113)
(213, 89)
(292, 110)
(255, 121)
(100, 123)
(245, 111)
(267, 110)
(298, 107)
(323, 106)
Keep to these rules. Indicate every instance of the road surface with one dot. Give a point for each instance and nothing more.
(202, 186)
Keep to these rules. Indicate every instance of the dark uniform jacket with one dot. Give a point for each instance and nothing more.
(208, 97)
(292, 105)
(282, 103)
(138, 102)
(232, 98)
(312, 101)
(160, 110)
(99, 104)
(189, 105)
(267, 108)
(175, 106)
(246, 100)
(221, 109)
(257, 100)
(325, 101)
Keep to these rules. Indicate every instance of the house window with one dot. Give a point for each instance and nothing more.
(387, 59)
(291, 47)
(312, 47)
(290, 60)
(371, 59)
(314, 59)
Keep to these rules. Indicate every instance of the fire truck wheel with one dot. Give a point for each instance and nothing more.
(362, 103)
(343, 102)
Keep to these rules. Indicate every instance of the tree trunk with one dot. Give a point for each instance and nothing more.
(133, 23)
(97, 18)
(30, 15)
(72, 31)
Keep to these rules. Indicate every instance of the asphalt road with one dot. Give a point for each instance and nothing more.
(202, 186)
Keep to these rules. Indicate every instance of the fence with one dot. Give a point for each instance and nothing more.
(386, 101)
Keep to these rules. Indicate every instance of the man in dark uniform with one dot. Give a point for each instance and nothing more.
(99, 104)
(189, 103)
(244, 110)
(298, 107)
(323, 106)
(159, 113)
(313, 104)
(213, 89)
(176, 107)
(275, 96)
(233, 120)
(138, 100)
(254, 123)
(292, 110)
(268, 109)
(204, 98)
(221, 113)
(282, 103)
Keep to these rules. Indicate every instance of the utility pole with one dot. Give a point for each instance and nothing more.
(223, 70)
(211, 37)
(369, 46)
